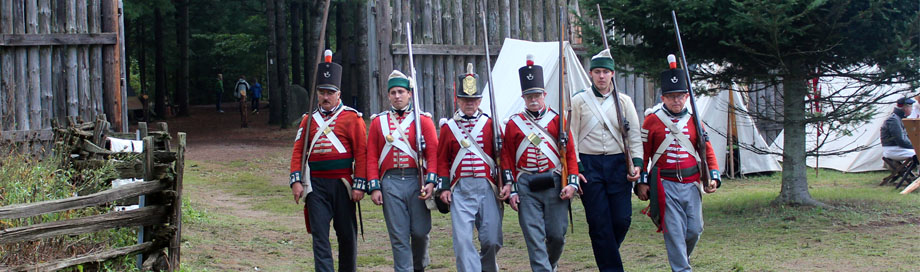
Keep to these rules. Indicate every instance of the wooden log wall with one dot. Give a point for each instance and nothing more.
(447, 34)
(51, 58)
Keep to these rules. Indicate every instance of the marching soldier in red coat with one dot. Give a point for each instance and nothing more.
(532, 170)
(334, 178)
(465, 168)
(673, 185)
(393, 174)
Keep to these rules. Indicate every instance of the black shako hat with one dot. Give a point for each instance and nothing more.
(469, 84)
(673, 80)
(531, 77)
(328, 73)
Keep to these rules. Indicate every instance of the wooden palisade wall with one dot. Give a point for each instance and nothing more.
(58, 59)
(447, 34)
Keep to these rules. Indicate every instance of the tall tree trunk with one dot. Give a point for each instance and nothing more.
(142, 64)
(313, 18)
(343, 46)
(159, 64)
(296, 63)
(274, 99)
(283, 60)
(794, 190)
(362, 69)
(307, 18)
(182, 40)
(128, 49)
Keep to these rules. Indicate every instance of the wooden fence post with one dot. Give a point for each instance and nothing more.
(148, 172)
(175, 246)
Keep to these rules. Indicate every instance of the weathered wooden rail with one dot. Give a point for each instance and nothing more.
(160, 215)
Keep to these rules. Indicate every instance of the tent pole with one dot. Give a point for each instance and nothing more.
(731, 132)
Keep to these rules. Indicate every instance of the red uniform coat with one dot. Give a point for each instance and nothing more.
(514, 136)
(676, 157)
(656, 133)
(326, 162)
(471, 165)
(376, 141)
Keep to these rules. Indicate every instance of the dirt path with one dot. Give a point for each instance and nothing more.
(233, 235)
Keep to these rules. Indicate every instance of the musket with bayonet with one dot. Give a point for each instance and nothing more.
(703, 138)
(621, 123)
(419, 140)
(565, 109)
(304, 166)
(496, 129)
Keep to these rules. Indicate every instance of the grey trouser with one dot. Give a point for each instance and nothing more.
(408, 219)
(331, 201)
(683, 222)
(473, 204)
(542, 216)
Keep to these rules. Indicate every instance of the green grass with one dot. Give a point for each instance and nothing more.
(866, 228)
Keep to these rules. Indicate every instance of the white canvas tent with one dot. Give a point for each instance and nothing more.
(866, 136)
(546, 54)
(715, 115)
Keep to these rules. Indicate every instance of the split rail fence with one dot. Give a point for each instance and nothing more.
(159, 214)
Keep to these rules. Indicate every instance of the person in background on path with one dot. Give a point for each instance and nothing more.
(256, 95)
(241, 88)
(219, 90)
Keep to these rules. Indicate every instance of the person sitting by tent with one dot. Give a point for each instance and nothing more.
(895, 143)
